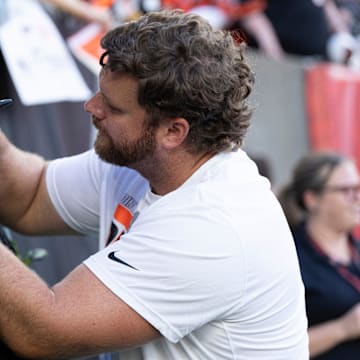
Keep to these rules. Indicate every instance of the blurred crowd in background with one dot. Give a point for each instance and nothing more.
(303, 27)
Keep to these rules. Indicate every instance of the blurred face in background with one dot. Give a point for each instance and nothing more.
(338, 204)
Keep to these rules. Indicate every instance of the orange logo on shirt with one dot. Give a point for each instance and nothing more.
(121, 221)
(123, 216)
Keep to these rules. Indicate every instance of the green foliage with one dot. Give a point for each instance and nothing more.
(31, 256)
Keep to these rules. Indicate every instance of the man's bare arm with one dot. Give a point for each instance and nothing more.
(77, 317)
(24, 201)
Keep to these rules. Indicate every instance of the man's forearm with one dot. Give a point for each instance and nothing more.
(24, 298)
(79, 316)
(20, 174)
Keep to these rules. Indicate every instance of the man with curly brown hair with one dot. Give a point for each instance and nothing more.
(196, 260)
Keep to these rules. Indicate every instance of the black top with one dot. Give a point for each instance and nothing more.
(330, 289)
(300, 25)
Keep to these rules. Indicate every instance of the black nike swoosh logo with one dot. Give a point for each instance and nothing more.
(112, 256)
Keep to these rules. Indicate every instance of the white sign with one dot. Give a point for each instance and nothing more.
(39, 62)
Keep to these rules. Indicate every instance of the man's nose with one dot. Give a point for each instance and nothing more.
(94, 106)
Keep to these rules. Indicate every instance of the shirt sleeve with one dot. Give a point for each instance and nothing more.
(73, 185)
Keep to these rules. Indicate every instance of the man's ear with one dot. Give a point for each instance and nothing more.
(174, 132)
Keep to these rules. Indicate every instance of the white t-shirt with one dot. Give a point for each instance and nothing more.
(211, 265)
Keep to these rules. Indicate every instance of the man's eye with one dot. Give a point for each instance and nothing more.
(115, 110)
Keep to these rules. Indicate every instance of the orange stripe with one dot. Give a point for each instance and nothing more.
(123, 216)
(103, 3)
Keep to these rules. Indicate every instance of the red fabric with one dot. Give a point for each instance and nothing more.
(332, 95)
(333, 107)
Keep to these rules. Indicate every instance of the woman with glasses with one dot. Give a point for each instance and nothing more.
(322, 205)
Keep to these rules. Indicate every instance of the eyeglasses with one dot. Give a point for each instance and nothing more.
(348, 190)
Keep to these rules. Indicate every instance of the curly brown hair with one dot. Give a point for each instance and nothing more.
(186, 69)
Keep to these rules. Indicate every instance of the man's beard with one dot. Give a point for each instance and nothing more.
(125, 153)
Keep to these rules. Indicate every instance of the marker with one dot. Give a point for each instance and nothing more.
(5, 102)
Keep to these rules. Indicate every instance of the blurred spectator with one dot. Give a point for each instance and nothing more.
(86, 11)
(322, 204)
(350, 10)
(247, 14)
(304, 27)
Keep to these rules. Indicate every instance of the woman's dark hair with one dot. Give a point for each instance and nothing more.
(186, 69)
(311, 173)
